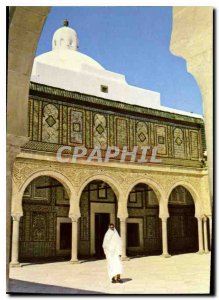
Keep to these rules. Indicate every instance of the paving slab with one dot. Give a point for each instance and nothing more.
(180, 274)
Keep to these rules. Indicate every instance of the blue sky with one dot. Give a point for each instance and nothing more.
(133, 41)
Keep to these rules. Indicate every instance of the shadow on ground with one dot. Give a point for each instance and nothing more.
(26, 287)
(124, 280)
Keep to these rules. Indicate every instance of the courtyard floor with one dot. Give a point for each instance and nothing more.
(179, 274)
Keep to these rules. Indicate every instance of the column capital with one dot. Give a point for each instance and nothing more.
(74, 218)
(122, 218)
(199, 218)
(205, 218)
(16, 217)
(164, 218)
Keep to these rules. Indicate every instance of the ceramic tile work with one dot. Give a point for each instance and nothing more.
(121, 129)
(161, 139)
(194, 144)
(178, 140)
(55, 123)
(100, 131)
(50, 124)
(142, 138)
(76, 126)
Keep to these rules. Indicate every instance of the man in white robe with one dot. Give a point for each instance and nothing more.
(112, 246)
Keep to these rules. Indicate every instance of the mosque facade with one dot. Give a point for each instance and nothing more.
(61, 208)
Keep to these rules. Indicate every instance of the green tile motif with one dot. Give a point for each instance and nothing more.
(100, 124)
(178, 141)
(142, 137)
(100, 129)
(50, 121)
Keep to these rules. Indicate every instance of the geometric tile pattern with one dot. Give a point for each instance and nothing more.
(50, 121)
(50, 124)
(194, 144)
(161, 139)
(142, 134)
(142, 137)
(76, 134)
(179, 147)
(121, 132)
(100, 131)
(178, 140)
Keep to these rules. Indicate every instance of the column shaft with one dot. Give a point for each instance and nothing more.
(200, 235)
(205, 235)
(123, 237)
(15, 242)
(164, 238)
(74, 247)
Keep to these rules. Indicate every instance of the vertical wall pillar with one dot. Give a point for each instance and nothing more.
(15, 241)
(205, 219)
(123, 237)
(74, 243)
(164, 237)
(200, 235)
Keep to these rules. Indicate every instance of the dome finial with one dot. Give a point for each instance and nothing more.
(65, 23)
(65, 38)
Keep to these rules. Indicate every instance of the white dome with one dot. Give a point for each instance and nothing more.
(67, 60)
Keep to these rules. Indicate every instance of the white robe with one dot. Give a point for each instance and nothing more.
(112, 246)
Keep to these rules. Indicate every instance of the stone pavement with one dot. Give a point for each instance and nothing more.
(179, 274)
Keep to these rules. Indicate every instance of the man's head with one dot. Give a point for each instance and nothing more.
(111, 226)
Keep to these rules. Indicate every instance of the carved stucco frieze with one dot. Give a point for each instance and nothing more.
(123, 179)
(21, 171)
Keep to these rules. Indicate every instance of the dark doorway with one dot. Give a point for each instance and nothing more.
(65, 236)
(182, 229)
(102, 221)
(133, 235)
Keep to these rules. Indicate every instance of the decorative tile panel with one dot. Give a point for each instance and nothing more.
(132, 133)
(142, 138)
(39, 224)
(50, 127)
(178, 143)
(161, 139)
(35, 120)
(30, 111)
(122, 132)
(100, 131)
(111, 131)
(88, 127)
(77, 127)
(61, 122)
(37, 238)
(65, 125)
(194, 144)
(54, 123)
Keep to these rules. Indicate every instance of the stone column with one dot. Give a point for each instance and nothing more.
(164, 237)
(74, 241)
(200, 235)
(210, 229)
(15, 241)
(205, 219)
(123, 237)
